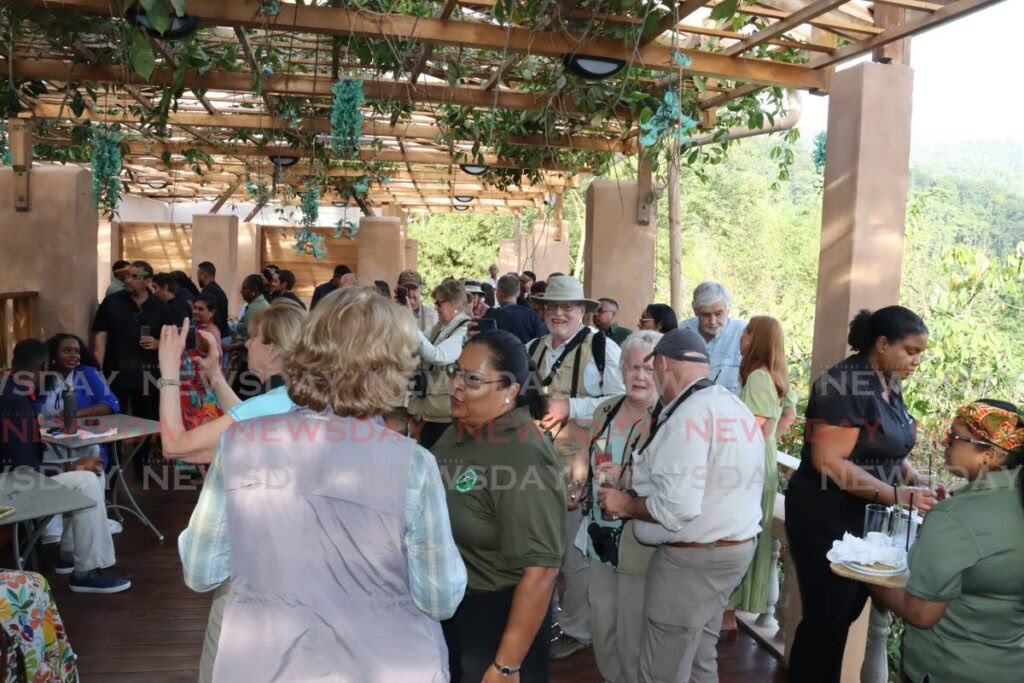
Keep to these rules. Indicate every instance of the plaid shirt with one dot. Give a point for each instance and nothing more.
(437, 576)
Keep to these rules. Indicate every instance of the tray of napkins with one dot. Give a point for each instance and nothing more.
(874, 555)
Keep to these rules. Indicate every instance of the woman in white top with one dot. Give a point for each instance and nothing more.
(429, 405)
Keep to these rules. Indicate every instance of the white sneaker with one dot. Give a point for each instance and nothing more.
(53, 530)
(114, 526)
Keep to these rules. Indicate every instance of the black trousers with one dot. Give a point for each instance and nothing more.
(814, 519)
(430, 432)
(138, 402)
(474, 633)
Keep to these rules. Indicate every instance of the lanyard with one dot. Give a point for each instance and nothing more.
(569, 347)
(702, 383)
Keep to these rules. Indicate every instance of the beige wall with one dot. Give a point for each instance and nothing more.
(52, 248)
(618, 252)
(864, 202)
(508, 257)
(381, 249)
(545, 249)
(412, 254)
(215, 239)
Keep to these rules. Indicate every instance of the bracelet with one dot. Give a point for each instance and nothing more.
(168, 383)
(506, 670)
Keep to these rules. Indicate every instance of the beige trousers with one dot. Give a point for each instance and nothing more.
(616, 621)
(212, 635)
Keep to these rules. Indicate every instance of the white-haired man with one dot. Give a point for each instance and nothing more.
(720, 332)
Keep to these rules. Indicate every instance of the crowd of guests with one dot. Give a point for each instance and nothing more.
(429, 465)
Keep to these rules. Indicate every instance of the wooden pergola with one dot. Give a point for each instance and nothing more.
(266, 91)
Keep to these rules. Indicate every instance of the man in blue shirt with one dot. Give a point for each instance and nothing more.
(721, 333)
(513, 317)
(87, 549)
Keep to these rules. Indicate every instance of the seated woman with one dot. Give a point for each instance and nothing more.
(658, 317)
(964, 602)
(273, 331)
(73, 366)
(363, 563)
(506, 497)
(33, 642)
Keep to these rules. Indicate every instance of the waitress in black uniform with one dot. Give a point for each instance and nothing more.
(856, 441)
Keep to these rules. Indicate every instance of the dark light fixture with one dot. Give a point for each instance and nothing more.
(464, 198)
(157, 184)
(340, 203)
(593, 68)
(461, 207)
(283, 161)
(473, 169)
(176, 30)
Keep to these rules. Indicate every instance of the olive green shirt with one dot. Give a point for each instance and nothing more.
(506, 499)
(242, 331)
(617, 333)
(971, 555)
(114, 287)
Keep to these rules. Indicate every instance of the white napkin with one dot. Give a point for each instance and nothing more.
(84, 435)
(854, 549)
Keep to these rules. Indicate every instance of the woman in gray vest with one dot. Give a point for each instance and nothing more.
(429, 405)
(342, 558)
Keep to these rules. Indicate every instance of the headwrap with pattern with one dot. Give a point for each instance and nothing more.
(995, 425)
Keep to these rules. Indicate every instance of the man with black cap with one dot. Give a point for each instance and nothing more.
(696, 495)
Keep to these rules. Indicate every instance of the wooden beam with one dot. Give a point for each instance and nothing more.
(444, 13)
(780, 27)
(838, 25)
(670, 20)
(225, 195)
(952, 11)
(473, 34)
(370, 128)
(254, 67)
(20, 133)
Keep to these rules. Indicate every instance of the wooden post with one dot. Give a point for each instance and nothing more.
(20, 138)
(675, 238)
(645, 197)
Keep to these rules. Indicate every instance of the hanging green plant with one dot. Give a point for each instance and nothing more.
(258, 192)
(345, 228)
(5, 149)
(306, 240)
(270, 8)
(106, 165)
(346, 118)
(818, 153)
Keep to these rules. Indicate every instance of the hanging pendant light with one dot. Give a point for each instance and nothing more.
(178, 28)
(592, 68)
(461, 207)
(157, 184)
(464, 198)
(473, 169)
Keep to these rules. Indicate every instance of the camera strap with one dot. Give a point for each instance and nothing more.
(656, 424)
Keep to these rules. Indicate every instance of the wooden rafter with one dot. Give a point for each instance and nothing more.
(686, 8)
(444, 14)
(780, 27)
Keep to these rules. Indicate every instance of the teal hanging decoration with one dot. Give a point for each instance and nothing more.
(5, 149)
(345, 228)
(106, 166)
(346, 118)
(306, 240)
(669, 120)
(818, 153)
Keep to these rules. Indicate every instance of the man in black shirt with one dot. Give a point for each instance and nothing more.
(512, 317)
(87, 549)
(206, 273)
(165, 286)
(340, 271)
(126, 329)
(281, 287)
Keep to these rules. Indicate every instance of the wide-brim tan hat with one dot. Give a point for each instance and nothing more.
(565, 288)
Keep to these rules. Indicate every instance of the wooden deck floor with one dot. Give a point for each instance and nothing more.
(153, 632)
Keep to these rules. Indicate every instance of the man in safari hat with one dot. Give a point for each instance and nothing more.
(579, 367)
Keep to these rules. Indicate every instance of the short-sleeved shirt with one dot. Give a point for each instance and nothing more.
(273, 402)
(122, 319)
(724, 351)
(617, 333)
(849, 394)
(506, 499)
(970, 554)
(519, 320)
(243, 331)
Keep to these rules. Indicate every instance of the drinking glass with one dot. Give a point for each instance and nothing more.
(876, 518)
(144, 331)
(903, 528)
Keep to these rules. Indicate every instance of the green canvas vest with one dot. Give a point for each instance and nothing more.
(436, 405)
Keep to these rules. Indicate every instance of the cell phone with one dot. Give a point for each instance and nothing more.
(402, 295)
(484, 324)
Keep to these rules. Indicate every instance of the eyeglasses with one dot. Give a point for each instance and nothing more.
(953, 436)
(560, 306)
(604, 310)
(437, 302)
(647, 320)
(473, 381)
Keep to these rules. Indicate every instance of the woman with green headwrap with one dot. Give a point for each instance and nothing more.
(964, 601)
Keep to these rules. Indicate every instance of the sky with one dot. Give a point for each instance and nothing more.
(967, 80)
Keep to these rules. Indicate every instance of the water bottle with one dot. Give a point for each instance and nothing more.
(70, 409)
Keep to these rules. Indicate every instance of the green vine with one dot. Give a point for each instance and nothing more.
(818, 153)
(106, 165)
(346, 118)
(307, 241)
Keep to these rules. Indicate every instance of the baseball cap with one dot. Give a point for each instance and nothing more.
(410, 278)
(682, 344)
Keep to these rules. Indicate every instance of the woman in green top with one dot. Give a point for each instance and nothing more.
(618, 562)
(506, 502)
(765, 379)
(964, 601)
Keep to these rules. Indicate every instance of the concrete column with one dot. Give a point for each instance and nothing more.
(508, 257)
(545, 249)
(108, 250)
(412, 254)
(619, 251)
(864, 205)
(51, 248)
(250, 259)
(381, 251)
(215, 239)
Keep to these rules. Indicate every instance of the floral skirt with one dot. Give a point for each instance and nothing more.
(34, 643)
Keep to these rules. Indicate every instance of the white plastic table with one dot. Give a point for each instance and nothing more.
(35, 499)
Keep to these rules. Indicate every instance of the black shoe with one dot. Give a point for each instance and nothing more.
(99, 581)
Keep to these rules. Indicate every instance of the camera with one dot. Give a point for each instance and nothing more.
(402, 296)
(606, 542)
(418, 384)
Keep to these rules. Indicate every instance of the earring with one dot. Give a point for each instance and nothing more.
(508, 400)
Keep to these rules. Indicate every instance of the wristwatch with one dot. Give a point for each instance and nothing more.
(506, 670)
(161, 383)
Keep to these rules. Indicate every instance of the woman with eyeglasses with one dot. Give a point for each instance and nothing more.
(964, 602)
(429, 406)
(857, 438)
(658, 317)
(506, 501)
(618, 562)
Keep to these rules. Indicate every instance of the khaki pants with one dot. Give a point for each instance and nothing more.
(212, 635)
(684, 600)
(616, 621)
(574, 617)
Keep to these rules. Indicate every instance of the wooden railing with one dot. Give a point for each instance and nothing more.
(866, 658)
(18, 320)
